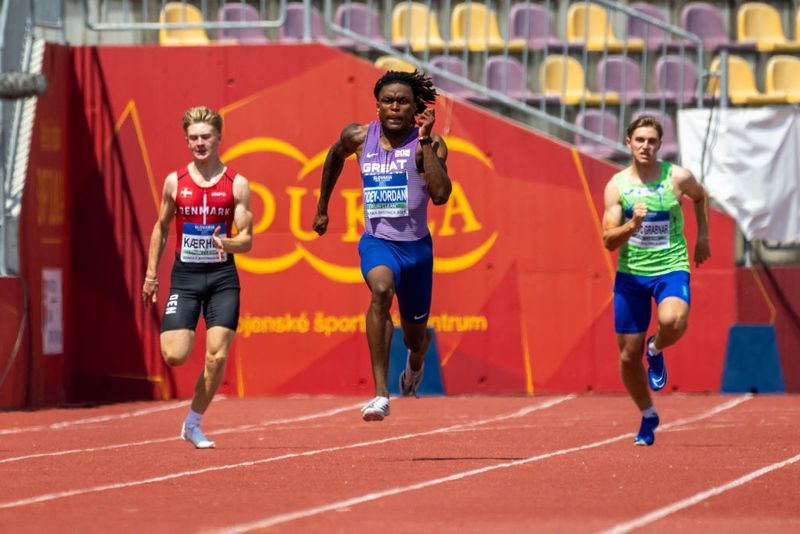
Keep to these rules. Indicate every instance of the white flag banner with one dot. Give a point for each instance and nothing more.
(749, 161)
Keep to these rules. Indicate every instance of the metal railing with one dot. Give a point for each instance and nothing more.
(555, 111)
(131, 19)
(20, 52)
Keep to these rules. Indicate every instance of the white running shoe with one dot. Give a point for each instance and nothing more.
(409, 380)
(195, 435)
(376, 409)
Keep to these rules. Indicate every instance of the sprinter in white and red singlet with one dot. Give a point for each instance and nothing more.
(206, 199)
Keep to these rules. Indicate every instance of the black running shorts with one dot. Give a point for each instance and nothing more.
(214, 288)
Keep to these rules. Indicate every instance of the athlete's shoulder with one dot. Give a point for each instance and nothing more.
(680, 175)
(171, 180)
(621, 174)
(354, 130)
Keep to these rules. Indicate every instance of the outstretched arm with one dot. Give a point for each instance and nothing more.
(349, 141)
(158, 238)
(686, 183)
(433, 152)
(616, 232)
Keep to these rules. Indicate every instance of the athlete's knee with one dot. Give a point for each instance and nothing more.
(382, 293)
(173, 357)
(216, 359)
(630, 358)
(674, 323)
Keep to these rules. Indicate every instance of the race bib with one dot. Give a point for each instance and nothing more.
(386, 195)
(197, 245)
(654, 231)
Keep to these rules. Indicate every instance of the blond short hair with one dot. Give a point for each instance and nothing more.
(202, 114)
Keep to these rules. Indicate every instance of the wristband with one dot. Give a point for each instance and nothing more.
(425, 139)
(151, 280)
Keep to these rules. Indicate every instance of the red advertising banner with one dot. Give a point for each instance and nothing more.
(522, 297)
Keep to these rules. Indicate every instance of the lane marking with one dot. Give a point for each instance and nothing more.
(120, 485)
(242, 428)
(301, 514)
(697, 498)
(97, 419)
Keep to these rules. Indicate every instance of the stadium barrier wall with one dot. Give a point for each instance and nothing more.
(771, 297)
(522, 297)
(14, 358)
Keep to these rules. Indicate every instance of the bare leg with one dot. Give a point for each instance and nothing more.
(218, 343)
(379, 325)
(634, 376)
(673, 318)
(176, 346)
(417, 338)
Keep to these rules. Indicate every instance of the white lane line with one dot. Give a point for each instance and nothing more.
(301, 514)
(98, 419)
(106, 487)
(697, 498)
(242, 428)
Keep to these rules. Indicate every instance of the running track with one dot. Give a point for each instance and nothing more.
(449, 464)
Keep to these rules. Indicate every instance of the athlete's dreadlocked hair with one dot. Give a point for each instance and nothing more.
(422, 86)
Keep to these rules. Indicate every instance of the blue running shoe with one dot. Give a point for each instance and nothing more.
(646, 435)
(656, 370)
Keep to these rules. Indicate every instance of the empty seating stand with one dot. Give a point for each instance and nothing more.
(741, 83)
(293, 29)
(240, 13)
(475, 27)
(414, 27)
(361, 19)
(761, 24)
(707, 22)
(180, 13)
(589, 25)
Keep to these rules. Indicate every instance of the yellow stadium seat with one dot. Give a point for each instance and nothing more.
(588, 24)
(761, 24)
(797, 25)
(741, 83)
(413, 24)
(475, 26)
(563, 77)
(176, 13)
(394, 63)
(783, 77)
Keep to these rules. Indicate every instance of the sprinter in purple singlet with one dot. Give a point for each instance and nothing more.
(402, 165)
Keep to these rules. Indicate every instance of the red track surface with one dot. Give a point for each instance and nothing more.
(472, 464)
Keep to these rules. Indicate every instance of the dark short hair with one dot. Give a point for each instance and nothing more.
(644, 121)
(422, 86)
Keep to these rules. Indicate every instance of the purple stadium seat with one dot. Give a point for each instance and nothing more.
(676, 78)
(533, 23)
(669, 139)
(505, 75)
(454, 65)
(240, 13)
(292, 29)
(707, 22)
(654, 37)
(601, 123)
(361, 19)
(615, 71)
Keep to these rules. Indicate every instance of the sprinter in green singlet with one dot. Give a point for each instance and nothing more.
(643, 218)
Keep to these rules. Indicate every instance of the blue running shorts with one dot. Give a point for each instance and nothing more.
(632, 294)
(412, 265)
